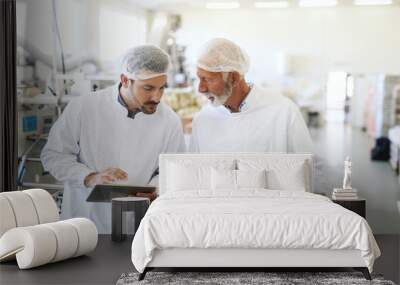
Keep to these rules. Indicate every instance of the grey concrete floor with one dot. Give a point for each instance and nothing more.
(375, 181)
(110, 259)
(102, 266)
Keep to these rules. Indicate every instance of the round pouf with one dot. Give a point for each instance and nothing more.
(138, 205)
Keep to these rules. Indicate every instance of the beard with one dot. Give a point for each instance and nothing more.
(149, 107)
(217, 101)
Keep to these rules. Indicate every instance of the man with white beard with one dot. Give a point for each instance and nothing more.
(242, 117)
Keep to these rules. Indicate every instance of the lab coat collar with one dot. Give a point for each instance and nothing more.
(258, 97)
(121, 101)
(244, 104)
(250, 102)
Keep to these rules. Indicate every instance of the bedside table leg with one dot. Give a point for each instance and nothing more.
(116, 220)
(142, 275)
(140, 210)
(364, 271)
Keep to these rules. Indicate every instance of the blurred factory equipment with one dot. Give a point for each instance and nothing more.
(163, 34)
(394, 131)
(395, 113)
(45, 84)
(385, 109)
(180, 94)
(185, 103)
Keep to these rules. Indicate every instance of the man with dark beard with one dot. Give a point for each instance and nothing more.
(114, 135)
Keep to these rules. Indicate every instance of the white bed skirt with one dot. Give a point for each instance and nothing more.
(179, 257)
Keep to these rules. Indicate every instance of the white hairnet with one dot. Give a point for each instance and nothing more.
(145, 62)
(222, 55)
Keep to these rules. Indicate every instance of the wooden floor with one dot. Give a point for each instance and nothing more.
(110, 260)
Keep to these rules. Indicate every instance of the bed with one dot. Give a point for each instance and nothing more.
(247, 210)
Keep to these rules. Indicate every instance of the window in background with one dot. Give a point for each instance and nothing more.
(336, 96)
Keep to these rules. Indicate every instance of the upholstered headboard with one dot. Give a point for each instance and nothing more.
(237, 160)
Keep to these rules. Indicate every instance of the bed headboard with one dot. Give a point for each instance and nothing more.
(234, 158)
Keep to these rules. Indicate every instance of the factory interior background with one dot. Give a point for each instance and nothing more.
(339, 63)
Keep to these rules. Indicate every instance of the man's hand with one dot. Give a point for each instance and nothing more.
(108, 176)
(151, 196)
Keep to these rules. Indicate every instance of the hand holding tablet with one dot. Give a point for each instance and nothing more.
(107, 176)
(106, 192)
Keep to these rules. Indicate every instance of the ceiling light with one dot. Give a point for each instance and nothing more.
(372, 2)
(317, 3)
(222, 5)
(271, 4)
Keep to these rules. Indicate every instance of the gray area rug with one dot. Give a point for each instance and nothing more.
(273, 278)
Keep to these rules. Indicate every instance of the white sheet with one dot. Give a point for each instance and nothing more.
(252, 218)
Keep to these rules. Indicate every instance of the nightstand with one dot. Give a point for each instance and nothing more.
(119, 206)
(358, 206)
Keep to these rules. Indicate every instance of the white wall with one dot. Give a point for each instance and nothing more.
(101, 29)
(347, 38)
(121, 26)
(35, 25)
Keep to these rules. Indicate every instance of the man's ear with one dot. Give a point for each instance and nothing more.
(235, 78)
(124, 80)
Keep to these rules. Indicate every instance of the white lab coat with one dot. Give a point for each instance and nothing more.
(93, 134)
(267, 122)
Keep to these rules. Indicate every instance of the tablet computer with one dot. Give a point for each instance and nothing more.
(106, 192)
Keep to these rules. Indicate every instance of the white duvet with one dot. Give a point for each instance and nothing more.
(250, 219)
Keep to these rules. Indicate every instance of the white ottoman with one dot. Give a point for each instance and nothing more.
(31, 233)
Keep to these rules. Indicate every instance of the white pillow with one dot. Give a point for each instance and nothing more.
(184, 177)
(187, 174)
(281, 174)
(293, 179)
(251, 178)
(223, 179)
(235, 179)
